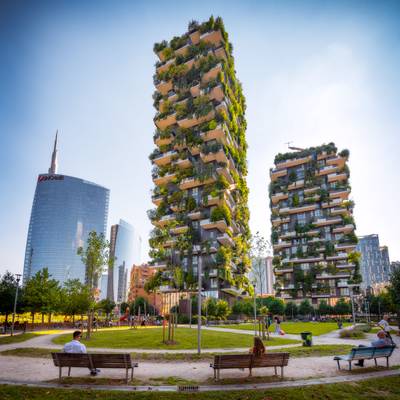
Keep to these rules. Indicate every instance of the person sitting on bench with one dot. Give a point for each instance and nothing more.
(382, 341)
(75, 346)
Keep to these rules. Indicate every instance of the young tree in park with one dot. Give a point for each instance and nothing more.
(324, 308)
(258, 251)
(394, 290)
(222, 309)
(107, 306)
(8, 286)
(42, 294)
(305, 308)
(291, 309)
(276, 306)
(342, 307)
(75, 298)
(95, 257)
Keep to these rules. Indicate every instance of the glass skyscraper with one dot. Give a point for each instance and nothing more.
(122, 248)
(65, 209)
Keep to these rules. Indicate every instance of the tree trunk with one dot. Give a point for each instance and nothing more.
(42, 318)
(33, 317)
(49, 318)
(6, 318)
(89, 324)
(73, 319)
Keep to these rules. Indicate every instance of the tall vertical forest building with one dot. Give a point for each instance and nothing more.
(199, 165)
(312, 225)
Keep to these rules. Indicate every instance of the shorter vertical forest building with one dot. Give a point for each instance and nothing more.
(199, 166)
(312, 225)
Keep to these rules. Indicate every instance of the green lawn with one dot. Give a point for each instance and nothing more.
(371, 389)
(314, 351)
(151, 338)
(316, 328)
(17, 338)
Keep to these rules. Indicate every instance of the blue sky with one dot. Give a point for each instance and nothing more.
(312, 72)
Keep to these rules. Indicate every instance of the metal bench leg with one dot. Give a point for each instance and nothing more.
(281, 372)
(59, 373)
(215, 374)
(69, 371)
(219, 371)
(126, 375)
(387, 362)
(250, 372)
(276, 373)
(132, 374)
(376, 363)
(338, 364)
(349, 365)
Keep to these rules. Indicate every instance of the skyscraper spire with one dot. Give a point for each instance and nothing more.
(53, 166)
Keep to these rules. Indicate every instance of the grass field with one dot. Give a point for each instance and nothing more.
(295, 352)
(17, 338)
(151, 338)
(371, 389)
(316, 328)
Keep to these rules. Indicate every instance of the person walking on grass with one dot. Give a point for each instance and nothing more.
(278, 330)
(75, 346)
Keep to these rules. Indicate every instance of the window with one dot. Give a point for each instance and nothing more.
(318, 213)
(301, 219)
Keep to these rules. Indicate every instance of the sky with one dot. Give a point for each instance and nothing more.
(313, 72)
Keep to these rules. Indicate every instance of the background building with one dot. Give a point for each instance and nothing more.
(103, 286)
(65, 209)
(122, 245)
(394, 265)
(264, 277)
(199, 165)
(375, 263)
(139, 275)
(312, 225)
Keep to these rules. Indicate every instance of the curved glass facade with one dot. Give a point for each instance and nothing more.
(65, 209)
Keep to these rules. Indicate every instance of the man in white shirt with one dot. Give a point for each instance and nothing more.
(75, 346)
(384, 324)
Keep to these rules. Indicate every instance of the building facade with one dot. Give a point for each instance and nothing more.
(394, 265)
(122, 246)
(65, 210)
(139, 275)
(199, 165)
(262, 275)
(375, 263)
(312, 225)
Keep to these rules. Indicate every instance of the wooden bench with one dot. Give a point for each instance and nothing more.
(94, 361)
(366, 353)
(250, 361)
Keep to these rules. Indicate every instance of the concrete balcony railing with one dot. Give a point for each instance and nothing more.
(220, 53)
(338, 161)
(345, 266)
(195, 37)
(339, 211)
(332, 276)
(183, 163)
(296, 185)
(327, 221)
(332, 203)
(191, 121)
(282, 245)
(293, 162)
(342, 284)
(225, 172)
(208, 224)
(218, 156)
(339, 256)
(344, 229)
(343, 194)
(350, 247)
(278, 221)
(160, 265)
(165, 65)
(277, 197)
(212, 73)
(182, 51)
(216, 93)
(275, 174)
(306, 259)
(188, 183)
(226, 240)
(194, 215)
(157, 200)
(164, 123)
(337, 177)
(164, 140)
(213, 37)
(165, 158)
(281, 271)
(296, 210)
(217, 134)
(328, 169)
(179, 229)
(166, 219)
(195, 90)
(164, 87)
(163, 180)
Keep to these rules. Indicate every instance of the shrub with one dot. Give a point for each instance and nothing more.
(352, 333)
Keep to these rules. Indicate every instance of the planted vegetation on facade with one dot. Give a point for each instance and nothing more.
(199, 164)
(312, 225)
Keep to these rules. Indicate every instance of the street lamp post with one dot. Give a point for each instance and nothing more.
(199, 283)
(18, 278)
(255, 309)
